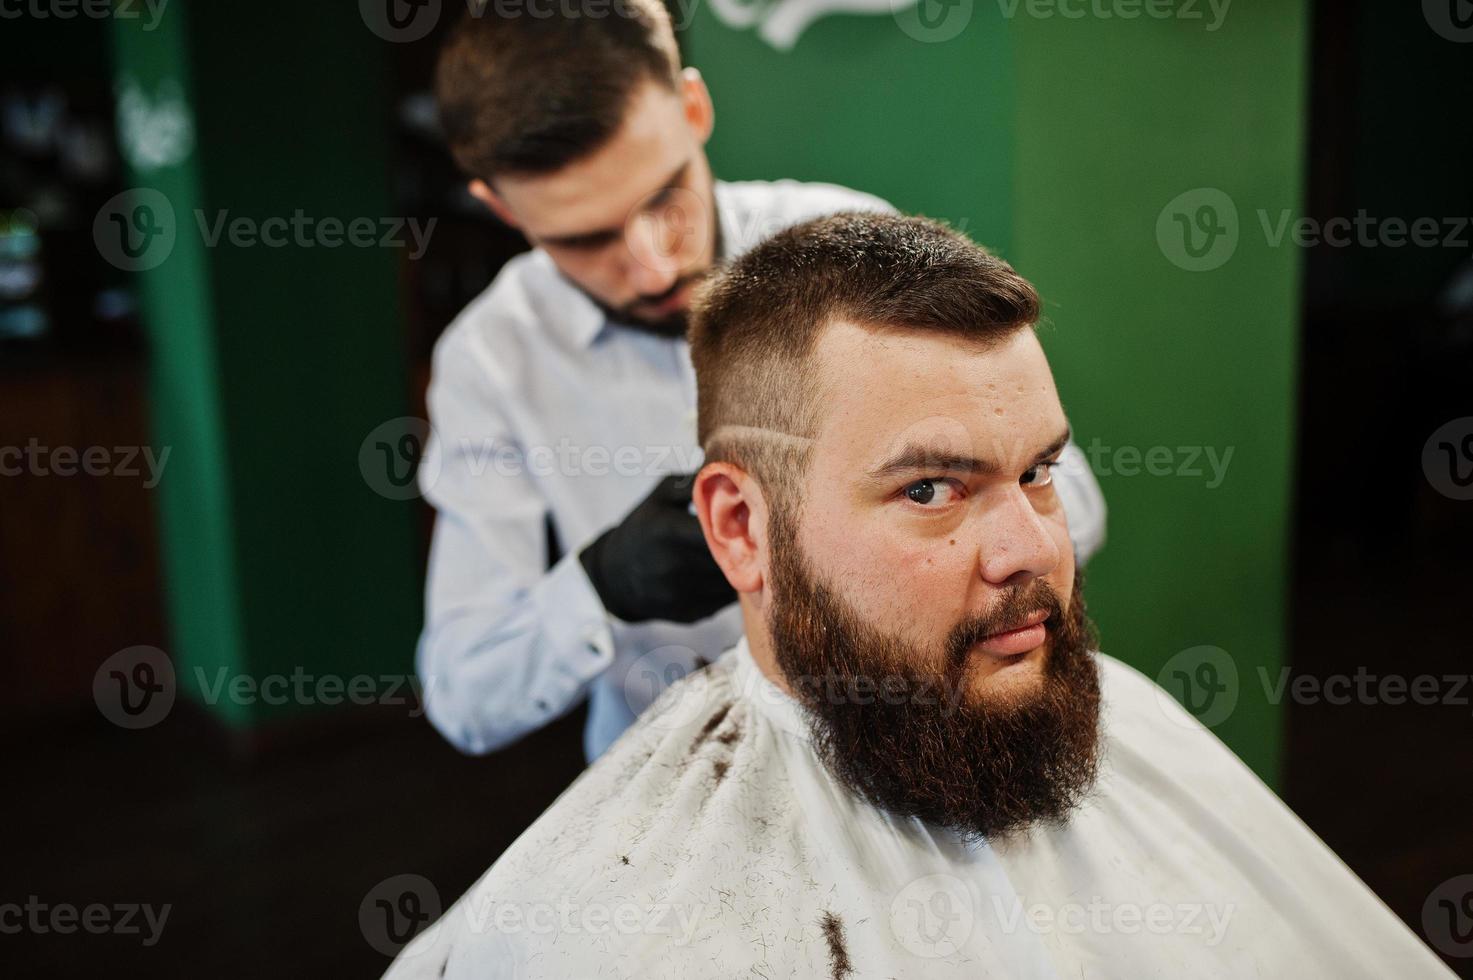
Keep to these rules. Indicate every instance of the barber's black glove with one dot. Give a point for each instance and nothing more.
(655, 564)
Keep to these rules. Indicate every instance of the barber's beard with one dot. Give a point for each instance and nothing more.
(671, 325)
(901, 727)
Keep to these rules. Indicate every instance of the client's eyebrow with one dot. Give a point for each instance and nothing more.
(916, 457)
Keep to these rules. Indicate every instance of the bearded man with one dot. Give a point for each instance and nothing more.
(914, 763)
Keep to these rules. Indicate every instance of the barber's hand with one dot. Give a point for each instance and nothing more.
(655, 564)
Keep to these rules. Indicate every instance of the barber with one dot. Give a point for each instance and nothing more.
(564, 397)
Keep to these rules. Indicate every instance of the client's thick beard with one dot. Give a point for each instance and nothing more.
(909, 737)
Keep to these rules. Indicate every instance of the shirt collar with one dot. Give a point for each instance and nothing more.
(581, 321)
(576, 318)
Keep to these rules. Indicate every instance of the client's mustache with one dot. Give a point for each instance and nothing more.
(1016, 605)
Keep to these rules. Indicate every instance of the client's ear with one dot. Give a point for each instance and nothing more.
(734, 518)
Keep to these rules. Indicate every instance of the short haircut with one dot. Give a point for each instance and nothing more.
(528, 95)
(755, 324)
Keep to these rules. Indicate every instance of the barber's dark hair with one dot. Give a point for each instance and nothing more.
(526, 90)
(755, 324)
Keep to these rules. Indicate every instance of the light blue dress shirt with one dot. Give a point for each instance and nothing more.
(542, 408)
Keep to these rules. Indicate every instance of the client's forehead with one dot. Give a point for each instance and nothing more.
(879, 387)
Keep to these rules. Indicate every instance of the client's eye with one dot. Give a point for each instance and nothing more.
(1039, 476)
(931, 490)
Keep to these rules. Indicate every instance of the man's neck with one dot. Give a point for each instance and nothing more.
(759, 643)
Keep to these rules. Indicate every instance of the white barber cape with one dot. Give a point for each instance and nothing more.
(710, 841)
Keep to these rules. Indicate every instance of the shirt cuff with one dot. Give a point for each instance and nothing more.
(578, 634)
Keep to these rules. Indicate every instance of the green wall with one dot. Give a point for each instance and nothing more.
(928, 127)
(272, 364)
(1059, 142)
(1151, 354)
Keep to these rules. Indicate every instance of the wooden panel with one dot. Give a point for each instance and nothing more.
(79, 551)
